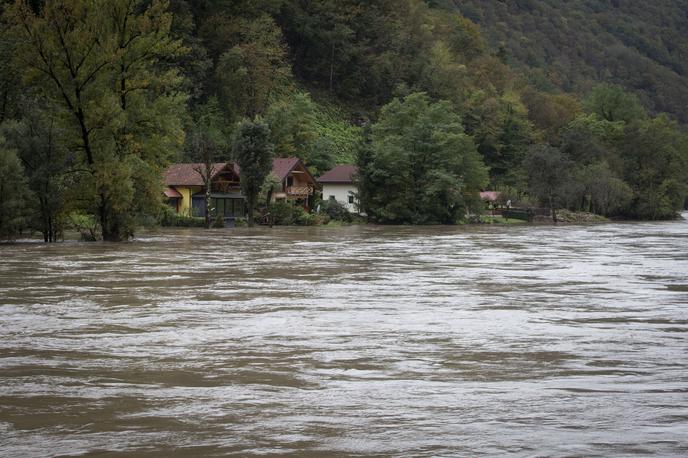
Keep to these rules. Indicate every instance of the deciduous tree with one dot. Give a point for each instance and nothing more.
(253, 152)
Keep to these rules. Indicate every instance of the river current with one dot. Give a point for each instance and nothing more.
(366, 341)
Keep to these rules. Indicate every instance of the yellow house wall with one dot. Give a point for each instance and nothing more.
(185, 202)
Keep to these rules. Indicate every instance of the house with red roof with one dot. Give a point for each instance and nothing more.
(185, 188)
(338, 184)
(296, 183)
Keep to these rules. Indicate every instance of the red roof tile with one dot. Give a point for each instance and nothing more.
(172, 193)
(339, 174)
(187, 174)
(281, 166)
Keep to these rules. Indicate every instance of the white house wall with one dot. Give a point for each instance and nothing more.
(341, 194)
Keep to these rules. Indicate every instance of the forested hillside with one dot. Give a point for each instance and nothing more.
(572, 45)
(553, 103)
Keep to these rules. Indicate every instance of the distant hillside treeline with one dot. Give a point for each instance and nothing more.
(554, 103)
(573, 45)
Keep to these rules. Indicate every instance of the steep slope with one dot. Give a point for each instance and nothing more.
(572, 45)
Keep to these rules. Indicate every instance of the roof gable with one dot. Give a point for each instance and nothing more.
(188, 175)
(339, 174)
(282, 167)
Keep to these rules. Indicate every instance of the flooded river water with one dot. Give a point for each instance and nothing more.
(384, 341)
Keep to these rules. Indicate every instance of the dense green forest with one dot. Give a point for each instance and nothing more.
(573, 45)
(562, 104)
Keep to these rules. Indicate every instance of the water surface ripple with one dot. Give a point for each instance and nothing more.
(385, 341)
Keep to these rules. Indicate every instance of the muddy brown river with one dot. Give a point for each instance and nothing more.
(365, 341)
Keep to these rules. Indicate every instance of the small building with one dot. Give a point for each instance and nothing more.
(296, 182)
(338, 184)
(185, 189)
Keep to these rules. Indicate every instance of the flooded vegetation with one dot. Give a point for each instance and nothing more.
(421, 341)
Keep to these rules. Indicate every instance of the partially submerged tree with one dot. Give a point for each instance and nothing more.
(253, 152)
(420, 167)
(101, 62)
(14, 193)
(207, 144)
(49, 165)
(549, 173)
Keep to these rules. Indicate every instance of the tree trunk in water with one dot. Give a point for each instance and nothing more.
(110, 226)
(207, 206)
(551, 208)
(251, 205)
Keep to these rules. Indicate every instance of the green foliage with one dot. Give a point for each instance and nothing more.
(104, 68)
(549, 176)
(574, 45)
(15, 196)
(169, 218)
(252, 150)
(117, 77)
(219, 222)
(37, 138)
(255, 70)
(599, 191)
(421, 167)
(316, 134)
(336, 211)
(285, 213)
(612, 103)
(655, 167)
(87, 225)
(281, 213)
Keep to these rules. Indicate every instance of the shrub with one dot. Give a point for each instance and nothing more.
(282, 213)
(86, 224)
(219, 222)
(336, 211)
(169, 218)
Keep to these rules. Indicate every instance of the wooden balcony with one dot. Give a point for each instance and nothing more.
(299, 191)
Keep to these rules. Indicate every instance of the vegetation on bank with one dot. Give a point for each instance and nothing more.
(97, 97)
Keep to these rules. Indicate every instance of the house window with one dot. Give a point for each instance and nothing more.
(332, 198)
(290, 181)
(351, 198)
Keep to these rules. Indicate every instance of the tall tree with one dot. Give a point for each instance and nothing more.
(549, 175)
(38, 140)
(253, 152)
(420, 167)
(612, 103)
(207, 144)
(253, 72)
(14, 193)
(655, 167)
(103, 64)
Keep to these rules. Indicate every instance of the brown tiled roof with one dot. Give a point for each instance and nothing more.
(281, 166)
(187, 174)
(339, 174)
(172, 193)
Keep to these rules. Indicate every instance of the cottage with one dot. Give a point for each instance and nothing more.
(185, 189)
(338, 184)
(296, 182)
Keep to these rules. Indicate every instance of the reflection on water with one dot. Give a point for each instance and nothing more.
(431, 341)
